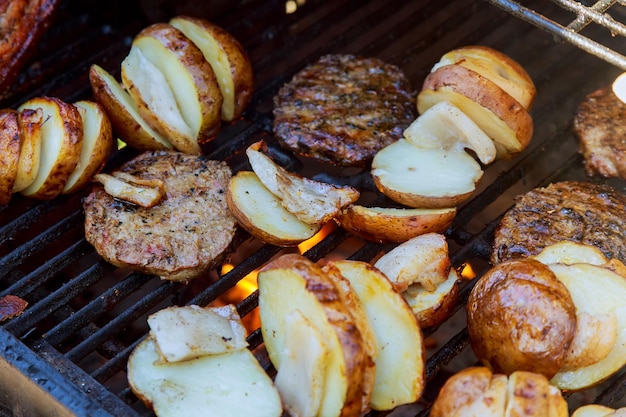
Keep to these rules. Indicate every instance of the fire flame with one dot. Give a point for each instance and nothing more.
(468, 272)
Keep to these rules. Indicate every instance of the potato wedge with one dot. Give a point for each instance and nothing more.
(497, 67)
(123, 114)
(228, 59)
(311, 201)
(61, 144)
(397, 334)
(291, 283)
(260, 212)
(382, 225)
(97, 145)
(445, 126)
(498, 114)
(431, 308)
(10, 144)
(30, 123)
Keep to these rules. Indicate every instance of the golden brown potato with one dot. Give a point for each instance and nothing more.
(502, 117)
(30, 123)
(228, 59)
(597, 410)
(61, 144)
(521, 317)
(97, 145)
(431, 308)
(383, 225)
(10, 144)
(123, 114)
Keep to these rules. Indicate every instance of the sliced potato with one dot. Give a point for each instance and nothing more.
(594, 410)
(96, 148)
(10, 144)
(228, 59)
(123, 114)
(291, 283)
(432, 308)
(425, 178)
(445, 126)
(593, 340)
(397, 335)
(530, 394)
(30, 123)
(61, 144)
(380, 224)
(232, 384)
(422, 261)
(143, 195)
(260, 212)
(498, 114)
(311, 201)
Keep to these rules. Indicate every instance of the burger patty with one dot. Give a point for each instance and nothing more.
(582, 212)
(343, 109)
(186, 234)
(600, 124)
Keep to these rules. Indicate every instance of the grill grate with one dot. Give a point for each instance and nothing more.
(70, 347)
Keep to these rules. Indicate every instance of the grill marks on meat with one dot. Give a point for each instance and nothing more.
(577, 211)
(600, 124)
(181, 238)
(343, 109)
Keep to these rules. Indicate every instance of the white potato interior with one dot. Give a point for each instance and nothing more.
(420, 299)
(92, 125)
(567, 252)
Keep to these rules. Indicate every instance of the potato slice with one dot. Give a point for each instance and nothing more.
(422, 261)
(444, 126)
(123, 114)
(432, 308)
(397, 334)
(530, 394)
(260, 213)
(228, 59)
(596, 291)
(568, 252)
(143, 195)
(232, 384)
(593, 340)
(594, 410)
(383, 225)
(497, 67)
(311, 201)
(292, 282)
(425, 178)
(10, 144)
(30, 123)
(97, 145)
(498, 114)
(61, 144)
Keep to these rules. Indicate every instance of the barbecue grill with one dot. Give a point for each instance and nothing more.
(66, 354)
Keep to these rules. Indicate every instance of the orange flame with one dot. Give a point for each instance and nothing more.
(468, 272)
(318, 237)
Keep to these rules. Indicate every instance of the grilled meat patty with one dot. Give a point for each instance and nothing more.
(600, 124)
(343, 109)
(577, 211)
(186, 234)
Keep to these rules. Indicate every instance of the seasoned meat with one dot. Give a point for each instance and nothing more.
(582, 212)
(186, 234)
(343, 109)
(600, 124)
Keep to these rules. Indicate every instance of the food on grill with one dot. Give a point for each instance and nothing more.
(22, 24)
(383, 225)
(30, 122)
(596, 410)
(472, 80)
(313, 339)
(397, 335)
(135, 190)
(221, 379)
(477, 391)
(179, 81)
(582, 212)
(521, 317)
(96, 148)
(599, 125)
(9, 153)
(420, 270)
(343, 109)
(228, 59)
(174, 86)
(186, 234)
(11, 306)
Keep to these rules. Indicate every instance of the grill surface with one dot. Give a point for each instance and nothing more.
(66, 354)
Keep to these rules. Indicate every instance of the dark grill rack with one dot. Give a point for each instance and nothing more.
(66, 354)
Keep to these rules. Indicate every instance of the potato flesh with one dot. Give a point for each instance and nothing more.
(433, 307)
(568, 253)
(593, 410)
(426, 172)
(30, 121)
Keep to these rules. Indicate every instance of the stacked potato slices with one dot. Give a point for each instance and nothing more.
(179, 81)
(50, 147)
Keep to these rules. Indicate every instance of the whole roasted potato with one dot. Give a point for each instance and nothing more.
(521, 317)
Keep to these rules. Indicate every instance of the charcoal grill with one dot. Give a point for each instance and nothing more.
(66, 354)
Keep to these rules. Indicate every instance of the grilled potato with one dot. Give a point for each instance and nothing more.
(10, 144)
(432, 308)
(596, 410)
(30, 123)
(228, 59)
